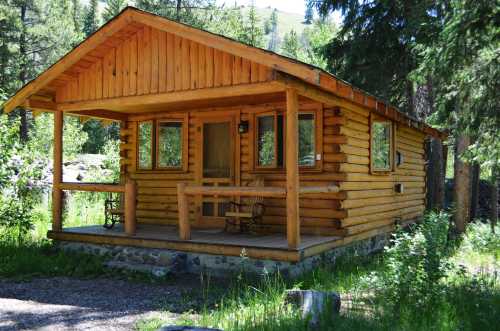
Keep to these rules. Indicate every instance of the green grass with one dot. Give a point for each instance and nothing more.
(465, 300)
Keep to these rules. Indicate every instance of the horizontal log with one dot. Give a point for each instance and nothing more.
(91, 187)
(350, 221)
(266, 192)
(356, 203)
(352, 212)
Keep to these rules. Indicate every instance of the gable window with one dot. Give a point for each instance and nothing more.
(270, 140)
(145, 145)
(381, 146)
(161, 145)
(169, 145)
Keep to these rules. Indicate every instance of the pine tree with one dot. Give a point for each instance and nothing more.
(253, 33)
(91, 18)
(273, 26)
(113, 8)
(291, 46)
(309, 14)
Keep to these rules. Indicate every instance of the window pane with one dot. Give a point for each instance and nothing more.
(381, 149)
(169, 144)
(306, 140)
(145, 145)
(266, 140)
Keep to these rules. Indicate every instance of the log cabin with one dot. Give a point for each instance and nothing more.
(202, 117)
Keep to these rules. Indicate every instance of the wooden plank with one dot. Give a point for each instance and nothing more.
(165, 98)
(119, 72)
(98, 80)
(227, 68)
(218, 67)
(147, 60)
(245, 71)
(292, 169)
(140, 62)
(202, 66)
(162, 61)
(178, 63)
(170, 48)
(186, 65)
(193, 59)
(126, 67)
(210, 63)
(91, 187)
(132, 90)
(155, 68)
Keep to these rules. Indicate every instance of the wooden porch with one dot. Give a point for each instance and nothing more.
(214, 241)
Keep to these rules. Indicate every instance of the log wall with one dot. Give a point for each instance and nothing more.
(367, 204)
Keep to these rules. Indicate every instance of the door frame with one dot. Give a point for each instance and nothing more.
(234, 179)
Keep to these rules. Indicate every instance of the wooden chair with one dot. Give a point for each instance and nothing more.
(247, 216)
(113, 211)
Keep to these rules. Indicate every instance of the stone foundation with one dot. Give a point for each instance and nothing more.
(161, 262)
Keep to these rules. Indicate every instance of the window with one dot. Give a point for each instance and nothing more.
(270, 140)
(161, 145)
(307, 137)
(145, 145)
(381, 146)
(169, 145)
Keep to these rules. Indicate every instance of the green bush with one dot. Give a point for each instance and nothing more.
(414, 265)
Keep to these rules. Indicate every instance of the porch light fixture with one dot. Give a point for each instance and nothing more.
(243, 127)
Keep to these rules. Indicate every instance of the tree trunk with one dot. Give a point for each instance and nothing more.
(494, 199)
(435, 174)
(22, 72)
(178, 11)
(461, 190)
(441, 197)
(474, 208)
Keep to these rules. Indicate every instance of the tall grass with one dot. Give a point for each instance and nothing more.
(416, 284)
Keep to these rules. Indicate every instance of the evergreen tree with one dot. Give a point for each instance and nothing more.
(374, 49)
(91, 18)
(290, 46)
(273, 30)
(113, 8)
(253, 33)
(309, 14)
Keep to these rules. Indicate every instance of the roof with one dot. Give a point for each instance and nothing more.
(48, 81)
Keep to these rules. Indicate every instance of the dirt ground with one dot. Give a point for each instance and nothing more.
(94, 304)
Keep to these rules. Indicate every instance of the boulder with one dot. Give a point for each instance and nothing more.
(312, 304)
(184, 328)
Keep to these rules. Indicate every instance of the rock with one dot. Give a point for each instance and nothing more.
(314, 303)
(184, 328)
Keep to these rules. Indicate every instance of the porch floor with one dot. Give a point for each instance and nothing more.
(214, 241)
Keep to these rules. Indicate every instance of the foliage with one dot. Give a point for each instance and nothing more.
(374, 48)
(113, 8)
(91, 18)
(414, 266)
(73, 137)
(307, 47)
(112, 160)
(21, 173)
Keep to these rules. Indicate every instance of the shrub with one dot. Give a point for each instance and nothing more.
(414, 266)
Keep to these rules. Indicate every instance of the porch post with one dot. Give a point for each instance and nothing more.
(292, 169)
(58, 172)
(130, 206)
(183, 210)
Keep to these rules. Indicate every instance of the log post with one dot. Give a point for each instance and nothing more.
(130, 206)
(183, 207)
(292, 169)
(57, 194)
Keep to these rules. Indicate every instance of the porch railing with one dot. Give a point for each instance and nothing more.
(183, 191)
(129, 190)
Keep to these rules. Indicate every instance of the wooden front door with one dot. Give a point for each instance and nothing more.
(216, 166)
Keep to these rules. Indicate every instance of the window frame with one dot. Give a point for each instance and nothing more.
(378, 119)
(183, 119)
(317, 112)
